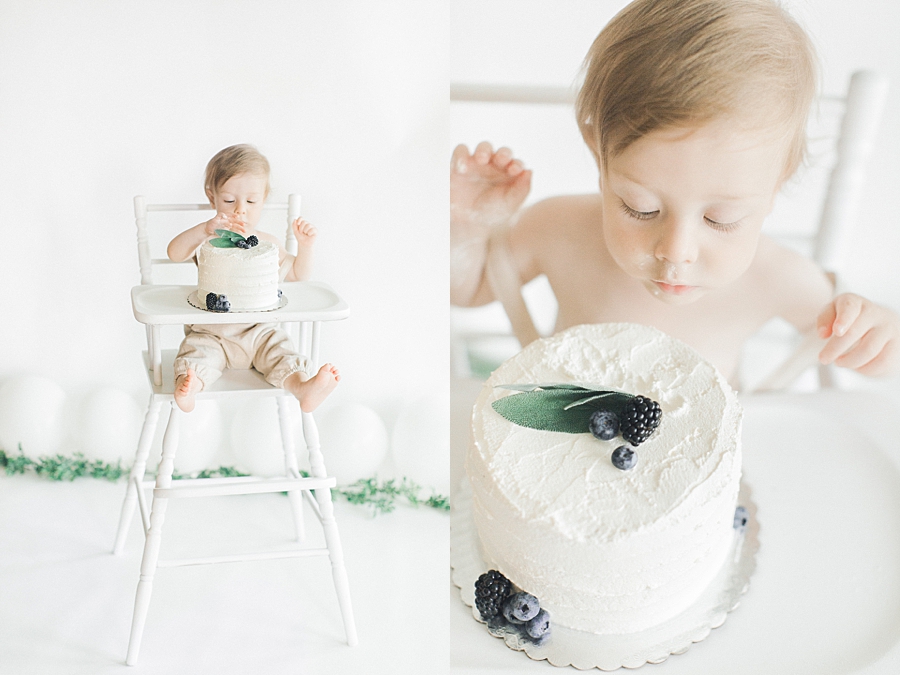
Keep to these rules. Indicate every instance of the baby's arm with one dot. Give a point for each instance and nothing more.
(861, 335)
(301, 268)
(487, 188)
(182, 247)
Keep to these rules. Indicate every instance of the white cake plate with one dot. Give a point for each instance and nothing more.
(568, 647)
(194, 300)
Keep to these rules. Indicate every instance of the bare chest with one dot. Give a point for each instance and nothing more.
(716, 325)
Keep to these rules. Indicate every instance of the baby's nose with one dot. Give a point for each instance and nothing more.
(677, 243)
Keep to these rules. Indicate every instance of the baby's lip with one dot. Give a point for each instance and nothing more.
(673, 289)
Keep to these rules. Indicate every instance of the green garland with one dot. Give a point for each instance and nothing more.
(380, 496)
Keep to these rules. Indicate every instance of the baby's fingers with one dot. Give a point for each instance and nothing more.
(838, 316)
(866, 349)
(483, 153)
(846, 329)
(503, 160)
(459, 160)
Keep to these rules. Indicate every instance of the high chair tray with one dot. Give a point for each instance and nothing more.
(306, 301)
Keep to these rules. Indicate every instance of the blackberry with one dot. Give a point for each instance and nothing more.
(491, 591)
(242, 243)
(604, 424)
(639, 419)
(211, 300)
(624, 458)
(252, 240)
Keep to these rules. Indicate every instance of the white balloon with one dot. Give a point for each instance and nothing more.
(354, 441)
(31, 413)
(420, 444)
(256, 436)
(108, 426)
(199, 439)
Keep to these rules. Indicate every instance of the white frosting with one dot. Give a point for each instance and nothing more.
(247, 277)
(606, 550)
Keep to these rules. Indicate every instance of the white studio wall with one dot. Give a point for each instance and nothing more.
(103, 101)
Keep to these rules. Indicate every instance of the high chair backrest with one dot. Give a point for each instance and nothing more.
(142, 211)
(842, 133)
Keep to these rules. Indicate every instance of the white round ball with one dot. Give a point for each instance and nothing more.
(108, 426)
(354, 441)
(199, 438)
(255, 437)
(420, 444)
(31, 413)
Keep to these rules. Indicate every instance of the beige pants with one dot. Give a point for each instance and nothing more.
(210, 348)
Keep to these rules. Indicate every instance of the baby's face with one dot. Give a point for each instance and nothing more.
(682, 209)
(242, 195)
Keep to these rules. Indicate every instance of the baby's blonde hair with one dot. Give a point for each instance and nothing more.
(233, 161)
(685, 63)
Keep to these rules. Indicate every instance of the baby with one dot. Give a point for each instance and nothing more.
(695, 112)
(237, 184)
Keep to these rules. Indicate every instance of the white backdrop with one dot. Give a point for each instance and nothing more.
(105, 100)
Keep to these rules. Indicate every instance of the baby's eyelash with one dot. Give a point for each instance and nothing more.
(638, 215)
(722, 227)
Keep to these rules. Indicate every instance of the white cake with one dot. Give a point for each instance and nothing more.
(606, 550)
(247, 277)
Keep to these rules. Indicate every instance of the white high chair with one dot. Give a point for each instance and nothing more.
(308, 304)
(854, 118)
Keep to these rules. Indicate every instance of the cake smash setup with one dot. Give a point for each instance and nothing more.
(236, 275)
(603, 522)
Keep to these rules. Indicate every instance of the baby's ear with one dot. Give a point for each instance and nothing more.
(211, 197)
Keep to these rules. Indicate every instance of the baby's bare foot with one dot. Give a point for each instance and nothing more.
(186, 387)
(313, 391)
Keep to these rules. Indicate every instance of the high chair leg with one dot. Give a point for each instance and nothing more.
(290, 463)
(137, 471)
(154, 535)
(329, 525)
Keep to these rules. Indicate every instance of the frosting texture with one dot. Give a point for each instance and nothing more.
(248, 277)
(607, 550)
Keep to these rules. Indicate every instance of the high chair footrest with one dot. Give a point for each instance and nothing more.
(203, 487)
(244, 557)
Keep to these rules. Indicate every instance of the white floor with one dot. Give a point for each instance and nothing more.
(66, 602)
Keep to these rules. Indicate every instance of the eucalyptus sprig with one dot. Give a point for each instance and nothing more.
(557, 407)
(228, 239)
(381, 497)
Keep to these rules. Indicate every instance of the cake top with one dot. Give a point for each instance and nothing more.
(568, 478)
(262, 249)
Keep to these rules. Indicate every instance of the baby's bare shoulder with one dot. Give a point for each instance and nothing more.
(560, 217)
(793, 283)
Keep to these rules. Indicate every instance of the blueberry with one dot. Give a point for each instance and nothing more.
(506, 610)
(279, 292)
(740, 518)
(522, 607)
(539, 625)
(624, 458)
(222, 304)
(604, 425)
(242, 243)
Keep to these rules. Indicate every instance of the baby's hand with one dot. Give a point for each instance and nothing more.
(486, 189)
(863, 336)
(225, 221)
(304, 232)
